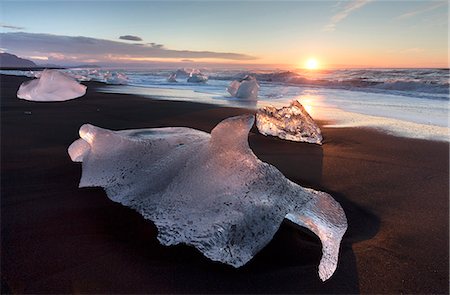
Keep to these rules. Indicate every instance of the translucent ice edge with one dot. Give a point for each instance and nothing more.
(290, 122)
(206, 190)
(245, 89)
(52, 85)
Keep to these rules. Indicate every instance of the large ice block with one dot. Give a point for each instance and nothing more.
(172, 78)
(291, 123)
(51, 85)
(196, 77)
(206, 190)
(247, 88)
(182, 73)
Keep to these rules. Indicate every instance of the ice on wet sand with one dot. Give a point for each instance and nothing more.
(206, 190)
(291, 123)
(172, 78)
(246, 89)
(197, 77)
(51, 85)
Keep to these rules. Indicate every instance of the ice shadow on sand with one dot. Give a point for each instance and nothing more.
(288, 264)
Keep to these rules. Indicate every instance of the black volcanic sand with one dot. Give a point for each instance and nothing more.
(57, 238)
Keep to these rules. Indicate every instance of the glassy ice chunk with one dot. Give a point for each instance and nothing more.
(233, 87)
(95, 75)
(80, 78)
(290, 123)
(247, 88)
(116, 78)
(206, 190)
(51, 85)
(182, 73)
(196, 77)
(172, 78)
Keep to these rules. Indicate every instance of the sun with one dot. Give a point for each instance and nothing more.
(312, 64)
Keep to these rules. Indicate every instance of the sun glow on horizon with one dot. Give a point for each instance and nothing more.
(312, 64)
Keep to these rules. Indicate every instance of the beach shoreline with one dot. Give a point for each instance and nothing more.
(57, 238)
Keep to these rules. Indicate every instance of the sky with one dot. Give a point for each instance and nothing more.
(284, 34)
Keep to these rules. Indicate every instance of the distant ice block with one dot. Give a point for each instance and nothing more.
(172, 78)
(182, 73)
(196, 77)
(290, 123)
(206, 190)
(32, 74)
(81, 78)
(246, 89)
(95, 75)
(78, 75)
(52, 85)
(116, 78)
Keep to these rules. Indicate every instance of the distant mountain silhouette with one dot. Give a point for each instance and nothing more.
(12, 61)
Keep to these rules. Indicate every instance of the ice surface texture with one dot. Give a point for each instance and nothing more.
(116, 78)
(51, 85)
(247, 88)
(291, 123)
(206, 190)
(172, 78)
(196, 77)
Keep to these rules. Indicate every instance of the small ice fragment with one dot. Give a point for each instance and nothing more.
(247, 88)
(172, 77)
(32, 74)
(291, 123)
(27, 112)
(233, 87)
(78, 76)
(116, 78)
(182, 73)
(206, 190)
(35, 74)
(52, 85)
(95, 75)
(196, 77)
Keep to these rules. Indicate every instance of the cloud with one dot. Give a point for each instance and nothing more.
(6, 26)
(130, 38)
(427, 8)
(83, 48)
(36, 57)
(187, 60)
(155, 45)
(345, 12)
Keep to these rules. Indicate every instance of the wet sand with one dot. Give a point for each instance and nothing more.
(57, 238)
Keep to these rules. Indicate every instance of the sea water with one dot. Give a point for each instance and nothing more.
(406, 102)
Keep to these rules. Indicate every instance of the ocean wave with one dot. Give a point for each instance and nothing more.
(428, 81)
(424, 83)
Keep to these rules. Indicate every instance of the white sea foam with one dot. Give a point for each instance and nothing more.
(339, 118)
(398, 115)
